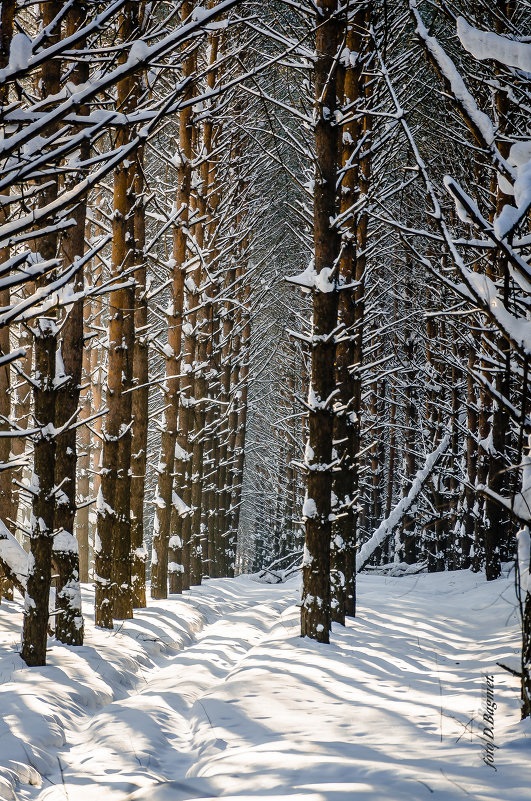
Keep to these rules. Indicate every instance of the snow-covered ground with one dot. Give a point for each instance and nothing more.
(215, 694)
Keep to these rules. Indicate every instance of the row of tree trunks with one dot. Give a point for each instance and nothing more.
(213, 374)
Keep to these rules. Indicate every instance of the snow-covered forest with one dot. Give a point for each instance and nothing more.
(265, 413)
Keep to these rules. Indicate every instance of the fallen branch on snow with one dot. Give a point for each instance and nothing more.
(280, 574)
(398, 568)
(387, 526)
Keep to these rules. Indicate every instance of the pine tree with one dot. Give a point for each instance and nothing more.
(315, 610)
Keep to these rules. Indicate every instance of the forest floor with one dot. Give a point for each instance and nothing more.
(215, 694)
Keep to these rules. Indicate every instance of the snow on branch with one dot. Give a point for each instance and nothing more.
(486, 44)
(13, 559)
(22, 55)
(475, 286)
(478, 122)
(468, 211)
(387, 526)
(142, 56)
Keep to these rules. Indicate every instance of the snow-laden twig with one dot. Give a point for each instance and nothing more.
(13, 559)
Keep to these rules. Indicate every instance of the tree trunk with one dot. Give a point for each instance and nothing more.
(7, 12)
(315, 609)
(166, 516)
(35, 625)
(113, 544)
(69, 622)
(408, 548)
(140, 408)
(9, 496)
(239, 445)
(83, 460)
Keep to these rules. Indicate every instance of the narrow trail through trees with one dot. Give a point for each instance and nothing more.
(160, 728)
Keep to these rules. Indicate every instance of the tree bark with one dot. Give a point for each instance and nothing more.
(113, 544)
(7, 14)
(140, 408)
(35, 626)
(69, 622)
(351, 310)
(315, 609)
(168, 522)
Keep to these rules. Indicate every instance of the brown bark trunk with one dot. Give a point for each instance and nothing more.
(113, 554)
(432, 404)
(224, 434)
(98, 371)
(35, 626)
(409, 548)
(122, 593)
(69, 627)
(83, 461)
(232, 424)
(140, 410)
(467, 530)
(168, 522)
(392, 428)
(239, 445)
(351, 309)
(7, 13)
(315, 609)
(21, 406)
(210, 451)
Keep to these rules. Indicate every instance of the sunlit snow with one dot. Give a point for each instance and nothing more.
(215, 694)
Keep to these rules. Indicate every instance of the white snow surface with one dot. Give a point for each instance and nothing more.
(214, 694)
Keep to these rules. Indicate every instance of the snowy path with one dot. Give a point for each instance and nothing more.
(217, 695)
(162, 729)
